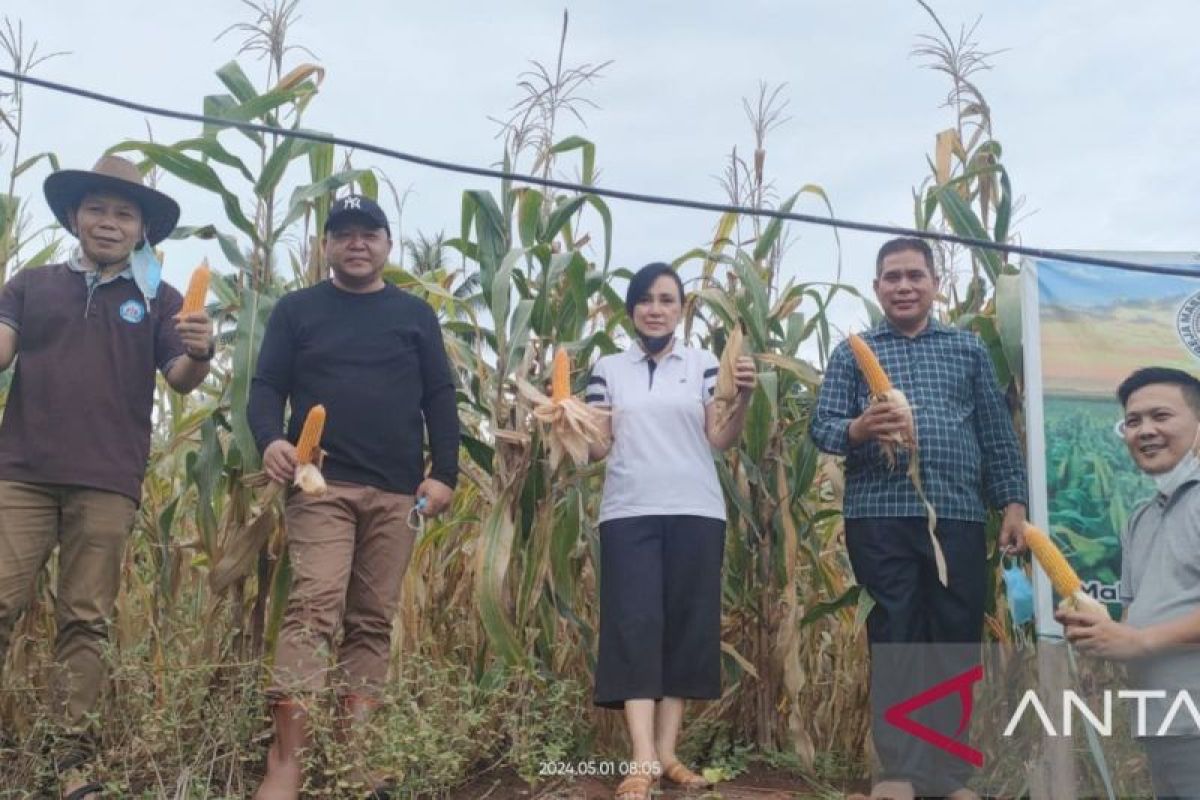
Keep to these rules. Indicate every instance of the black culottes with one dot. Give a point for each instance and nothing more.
(660, 609)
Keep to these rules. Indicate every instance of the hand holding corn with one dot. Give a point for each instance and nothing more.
(889, 416)
(309, 454)
(882, 421)
(299, 464)
(192, 322)
(736, 377)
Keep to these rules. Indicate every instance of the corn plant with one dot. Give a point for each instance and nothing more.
(250, 173)
(17, 233)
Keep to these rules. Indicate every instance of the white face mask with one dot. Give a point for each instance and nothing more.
(1167, 482)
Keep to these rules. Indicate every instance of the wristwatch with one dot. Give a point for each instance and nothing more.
(212, 351)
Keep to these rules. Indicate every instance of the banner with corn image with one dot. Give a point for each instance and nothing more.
(881, 390)
(570, 424)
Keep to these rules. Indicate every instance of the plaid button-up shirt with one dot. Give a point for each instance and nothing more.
(968, 449)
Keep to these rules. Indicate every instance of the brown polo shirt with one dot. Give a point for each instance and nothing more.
(79, 406)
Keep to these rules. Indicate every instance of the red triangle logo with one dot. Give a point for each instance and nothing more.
(898, 715)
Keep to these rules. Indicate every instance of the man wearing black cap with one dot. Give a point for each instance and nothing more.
(373, 356)
(75, 437)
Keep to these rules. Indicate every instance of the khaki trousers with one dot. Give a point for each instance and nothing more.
(89, 527)
(349, 549)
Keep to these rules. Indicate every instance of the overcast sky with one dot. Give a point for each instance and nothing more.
(1094, 102)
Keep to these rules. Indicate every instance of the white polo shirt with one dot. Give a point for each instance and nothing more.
(660, 462)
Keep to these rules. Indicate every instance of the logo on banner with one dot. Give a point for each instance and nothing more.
(1187, 324)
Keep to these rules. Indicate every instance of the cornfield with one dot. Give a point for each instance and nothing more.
(495, 641)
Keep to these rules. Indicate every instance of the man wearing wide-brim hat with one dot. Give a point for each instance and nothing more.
(90, 334)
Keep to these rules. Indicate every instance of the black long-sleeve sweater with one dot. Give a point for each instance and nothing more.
(378, 364)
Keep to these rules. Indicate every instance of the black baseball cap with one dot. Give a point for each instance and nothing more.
(356, 208)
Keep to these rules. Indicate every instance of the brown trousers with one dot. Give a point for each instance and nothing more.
(349, 548)
(89, 527)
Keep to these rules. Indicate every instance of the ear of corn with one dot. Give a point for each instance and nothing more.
(560, 385)
(310, 435)
(1064, 579)
(725, 393)
(197, 289)
(877, 380)
(1066, 582)
(570, 424)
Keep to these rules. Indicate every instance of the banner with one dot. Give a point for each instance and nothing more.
(1085, 329)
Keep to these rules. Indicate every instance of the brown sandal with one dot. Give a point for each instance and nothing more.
(680, 775)
(635, 787)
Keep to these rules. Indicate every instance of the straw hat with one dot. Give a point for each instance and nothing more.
(65, 188)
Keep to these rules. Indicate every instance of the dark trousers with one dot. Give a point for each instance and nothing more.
(1174, 765)
(660, 609)
(893, 560)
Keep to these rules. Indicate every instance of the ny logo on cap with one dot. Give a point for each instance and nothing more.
(352, 202)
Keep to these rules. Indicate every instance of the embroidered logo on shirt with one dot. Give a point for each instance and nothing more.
(132, 311)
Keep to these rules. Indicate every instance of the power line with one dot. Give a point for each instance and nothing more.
(616, 194)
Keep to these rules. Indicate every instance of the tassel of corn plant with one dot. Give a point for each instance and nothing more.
(197, 289)
(881, 390)
(308, 452)
(1064, 579)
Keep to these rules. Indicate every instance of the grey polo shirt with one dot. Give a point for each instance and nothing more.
(661, 462)
(1160, 581)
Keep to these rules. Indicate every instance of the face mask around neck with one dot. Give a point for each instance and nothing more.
(1167, 482)
(655, 344)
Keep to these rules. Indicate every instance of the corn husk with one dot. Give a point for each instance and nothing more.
(726, 392)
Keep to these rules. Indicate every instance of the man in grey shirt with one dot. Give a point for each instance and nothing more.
(1159, 635)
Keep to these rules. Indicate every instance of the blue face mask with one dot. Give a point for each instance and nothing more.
(1020, 594)
(147, 272)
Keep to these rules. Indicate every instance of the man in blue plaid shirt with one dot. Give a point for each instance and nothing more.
(969, 459)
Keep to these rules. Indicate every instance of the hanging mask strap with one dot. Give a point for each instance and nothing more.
(416, 520)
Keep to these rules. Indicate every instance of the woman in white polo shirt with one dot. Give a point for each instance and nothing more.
(662, 528)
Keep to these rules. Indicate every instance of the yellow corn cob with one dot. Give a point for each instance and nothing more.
(1064, 579)
(1054, 564)
(560, 385)
(197, 289)
(310, 435)
(877, 380)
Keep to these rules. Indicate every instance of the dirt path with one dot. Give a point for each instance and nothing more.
(758, 784)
